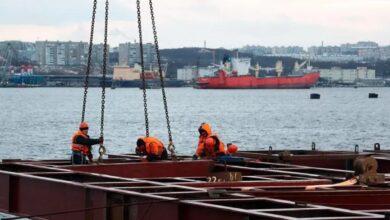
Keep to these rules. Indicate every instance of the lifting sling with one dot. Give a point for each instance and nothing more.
(171, 146)
(102, 149)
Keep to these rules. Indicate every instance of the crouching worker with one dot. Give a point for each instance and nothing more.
(211, 148)
(204, 131)
(209, 145)
(152, 147)
(82, 145)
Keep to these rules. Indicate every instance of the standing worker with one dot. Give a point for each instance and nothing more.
(82, 145)
(152, 147)
(209, 144)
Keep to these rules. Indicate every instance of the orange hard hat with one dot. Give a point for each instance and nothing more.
(84, 125)
(232, 148)
(210, 142)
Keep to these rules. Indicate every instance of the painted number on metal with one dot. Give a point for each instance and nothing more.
(224, 177)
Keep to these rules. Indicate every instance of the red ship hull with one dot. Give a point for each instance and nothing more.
(222, 81)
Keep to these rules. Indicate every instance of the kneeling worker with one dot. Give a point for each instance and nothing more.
(204, 131)
(209, 144)
(152, 147)
(82, 144)
(212, 148)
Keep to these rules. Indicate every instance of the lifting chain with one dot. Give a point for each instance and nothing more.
(102, 149)
(142, 68)
(171, 146)
(89, 61)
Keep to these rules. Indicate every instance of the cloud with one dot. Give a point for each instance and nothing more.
(228, 23)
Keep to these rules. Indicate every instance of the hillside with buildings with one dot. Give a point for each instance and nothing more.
(347, 62)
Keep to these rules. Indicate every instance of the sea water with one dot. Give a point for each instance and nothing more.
(37, 123)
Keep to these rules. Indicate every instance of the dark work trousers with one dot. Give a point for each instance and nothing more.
(78, 158)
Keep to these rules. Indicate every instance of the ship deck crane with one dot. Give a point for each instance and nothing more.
(256, 69)
(298, 66)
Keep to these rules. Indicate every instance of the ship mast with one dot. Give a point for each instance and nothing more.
(279, 68)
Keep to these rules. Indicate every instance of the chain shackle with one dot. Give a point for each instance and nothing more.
(160, 70)
(86, 80)
(141, 48)
(171, 148)
(102, 151)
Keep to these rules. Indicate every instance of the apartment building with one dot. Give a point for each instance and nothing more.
(129, 54)
(68, 53)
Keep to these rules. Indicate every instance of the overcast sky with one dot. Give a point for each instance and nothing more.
(186, 23)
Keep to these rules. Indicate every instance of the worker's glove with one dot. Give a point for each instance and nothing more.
(194, 157)
(138, 151)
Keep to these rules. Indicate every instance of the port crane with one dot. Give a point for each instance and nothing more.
(7, 56)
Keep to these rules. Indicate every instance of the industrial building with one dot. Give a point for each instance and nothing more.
(189, 73)
(347, 75)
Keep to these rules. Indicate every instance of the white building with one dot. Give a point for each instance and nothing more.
(129, 54)
(67, 53)
(336, 58)
(61, 54)
(347, 75)
(188, 73)
(207, 71)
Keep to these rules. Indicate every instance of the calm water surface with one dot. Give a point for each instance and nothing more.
(37, 123)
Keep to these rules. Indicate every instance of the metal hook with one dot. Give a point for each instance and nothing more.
(171, 149)
(102, 151)
(377, 146)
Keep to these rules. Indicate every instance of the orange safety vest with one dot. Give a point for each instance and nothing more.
(84, 149)
(210, 153)
(153, 146)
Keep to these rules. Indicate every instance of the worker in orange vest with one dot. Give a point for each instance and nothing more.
(209, 144)
(152, 147)
(82, 144)
(204, 131)
(214, 147)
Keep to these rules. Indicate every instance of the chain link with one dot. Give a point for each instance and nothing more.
(141, 48)
(160, 71)
(102, 149)
(86, 81)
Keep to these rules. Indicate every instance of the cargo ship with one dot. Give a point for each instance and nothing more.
(130, 77)
(235, 75)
